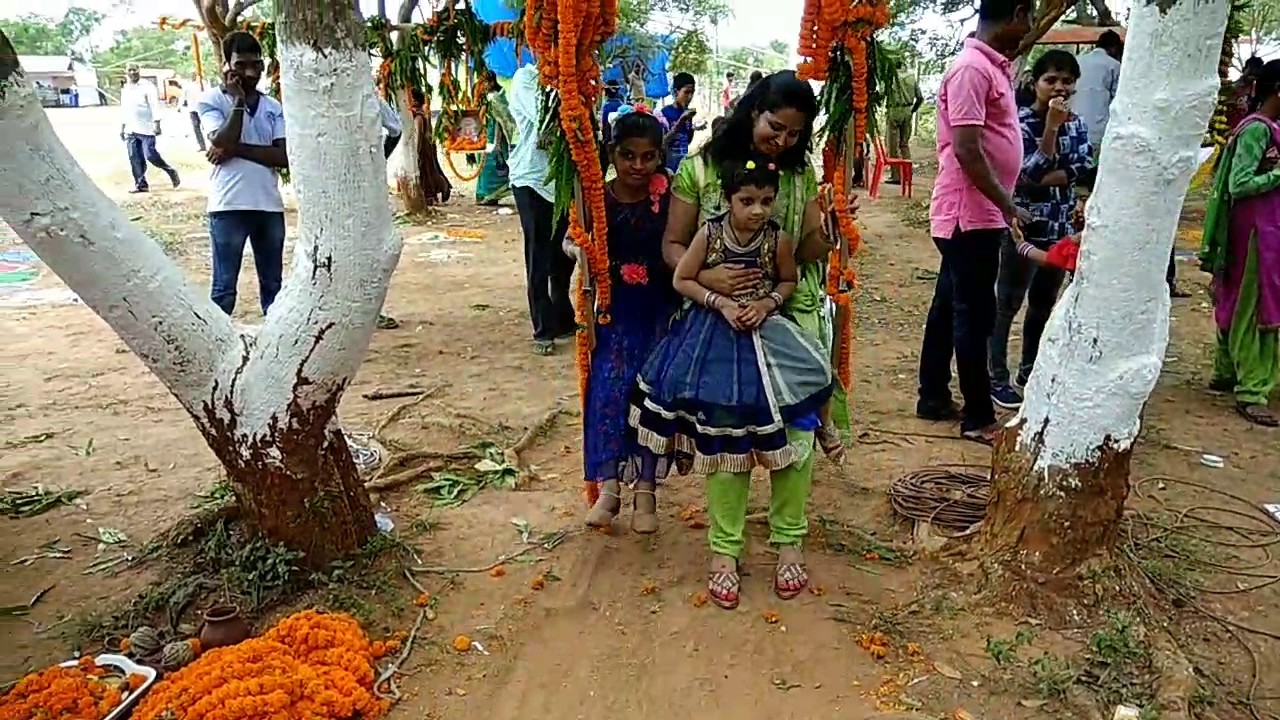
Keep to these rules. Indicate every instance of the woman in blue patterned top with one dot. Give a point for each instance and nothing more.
(1055, 154)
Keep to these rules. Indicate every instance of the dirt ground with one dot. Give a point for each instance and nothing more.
(616, 631)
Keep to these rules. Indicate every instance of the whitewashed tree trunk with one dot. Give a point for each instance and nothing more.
(1062, 468)
(408, 171)
(265, 403)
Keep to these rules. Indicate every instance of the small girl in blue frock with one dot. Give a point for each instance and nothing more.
(643, 301)
(734, 373)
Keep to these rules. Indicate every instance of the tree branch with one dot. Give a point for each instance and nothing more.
(237, 9)
(119, 272)
(406, 11)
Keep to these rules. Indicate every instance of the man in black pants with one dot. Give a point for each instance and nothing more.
(979, 157)
(547, 268)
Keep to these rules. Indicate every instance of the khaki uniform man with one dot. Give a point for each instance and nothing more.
(903, 103)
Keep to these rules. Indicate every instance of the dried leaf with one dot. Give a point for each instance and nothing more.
(1032, 703)
(771, 617)
(962, 715)
(700, 599)
(947, 671)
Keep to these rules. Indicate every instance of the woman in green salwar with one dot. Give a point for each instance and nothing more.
(1241, 248)
(494, 182)
(775, 118)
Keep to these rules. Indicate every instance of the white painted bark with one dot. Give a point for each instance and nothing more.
(246, 392)
(408, 176)
(347, 249)
(1104, 347)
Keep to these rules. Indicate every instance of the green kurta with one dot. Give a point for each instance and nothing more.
(1248, 356)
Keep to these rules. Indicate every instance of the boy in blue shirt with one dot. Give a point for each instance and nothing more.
(679, 117)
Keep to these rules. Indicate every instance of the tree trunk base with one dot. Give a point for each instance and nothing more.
(412, 195)
(298, 490)
(1046, 530)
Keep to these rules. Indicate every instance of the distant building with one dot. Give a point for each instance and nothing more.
(60, 81)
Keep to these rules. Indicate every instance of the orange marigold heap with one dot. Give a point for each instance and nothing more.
(58, 693)
(310, 666)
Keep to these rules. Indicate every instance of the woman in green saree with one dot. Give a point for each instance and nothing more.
(493, 184)
(775, 118)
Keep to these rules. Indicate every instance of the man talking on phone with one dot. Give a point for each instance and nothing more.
(679, 117)
(247, 149)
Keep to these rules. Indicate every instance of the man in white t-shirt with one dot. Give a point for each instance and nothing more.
(391, 126)
(139, 127)
(246, 146)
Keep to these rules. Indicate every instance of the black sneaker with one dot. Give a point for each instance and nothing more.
(173, 177)
(1020, 382)
(1005, 397)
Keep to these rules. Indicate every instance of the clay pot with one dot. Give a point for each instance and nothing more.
(222, 626)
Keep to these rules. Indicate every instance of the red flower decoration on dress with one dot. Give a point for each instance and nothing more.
(657, 188)
(635, 274)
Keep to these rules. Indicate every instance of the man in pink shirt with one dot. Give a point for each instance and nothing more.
(979, 155)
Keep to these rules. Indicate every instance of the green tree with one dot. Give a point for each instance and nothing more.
(148, 45)
(683, 20)
(33, 34)
(775, 56)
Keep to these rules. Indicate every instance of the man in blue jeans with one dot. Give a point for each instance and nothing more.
(140, 126)
(247, 148)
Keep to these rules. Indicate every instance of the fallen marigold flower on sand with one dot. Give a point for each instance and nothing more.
(462, 643)
(498, 572)
(422, 600)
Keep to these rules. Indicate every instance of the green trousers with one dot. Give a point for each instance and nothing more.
(1247, 356)
(788, 494)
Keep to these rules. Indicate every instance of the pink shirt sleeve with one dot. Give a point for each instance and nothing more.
(967, 89)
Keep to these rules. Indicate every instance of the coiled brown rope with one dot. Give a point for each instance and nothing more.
(951, 498)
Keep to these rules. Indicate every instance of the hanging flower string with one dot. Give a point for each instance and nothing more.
(841, 31)
(565, 37)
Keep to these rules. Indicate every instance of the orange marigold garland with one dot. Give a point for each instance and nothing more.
(841, 31)
(63, 693)
(311, 665)
(565, 37)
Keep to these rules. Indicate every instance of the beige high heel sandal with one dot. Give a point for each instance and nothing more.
(601, 517)
(644, 523)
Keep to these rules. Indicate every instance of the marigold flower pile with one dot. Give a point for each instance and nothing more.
(312, 666)
(63, 693)
(841, 30)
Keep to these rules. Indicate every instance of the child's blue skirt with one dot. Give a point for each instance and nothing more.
(726, 397)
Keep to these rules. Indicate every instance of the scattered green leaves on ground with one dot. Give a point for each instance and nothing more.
(448, 488)
(35, 500)
(217, 495)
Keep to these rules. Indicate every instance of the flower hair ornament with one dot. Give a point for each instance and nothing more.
(635, 108)
(751, 165)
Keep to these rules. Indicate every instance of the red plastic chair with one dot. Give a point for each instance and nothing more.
(884, 161)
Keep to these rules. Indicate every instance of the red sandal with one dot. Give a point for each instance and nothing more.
(790, 580)
(724, 587)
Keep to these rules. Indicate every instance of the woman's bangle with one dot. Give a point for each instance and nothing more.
(1024, 249)
(777, 299)
(709, 300)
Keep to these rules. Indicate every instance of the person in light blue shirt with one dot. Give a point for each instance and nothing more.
(547, 269)
(1099, 78)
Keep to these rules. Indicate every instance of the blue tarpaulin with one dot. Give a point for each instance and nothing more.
(500, 57)
(657, 84)
(493, 11)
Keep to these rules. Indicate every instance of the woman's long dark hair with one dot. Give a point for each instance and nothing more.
(1265, 84)
(734, 141)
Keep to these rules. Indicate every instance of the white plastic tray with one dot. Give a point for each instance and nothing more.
(128, 697)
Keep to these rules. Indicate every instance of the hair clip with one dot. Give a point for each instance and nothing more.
(772, 167)
(751, 165)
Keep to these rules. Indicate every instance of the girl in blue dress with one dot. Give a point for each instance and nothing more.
(643, 301)
(734, 373)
